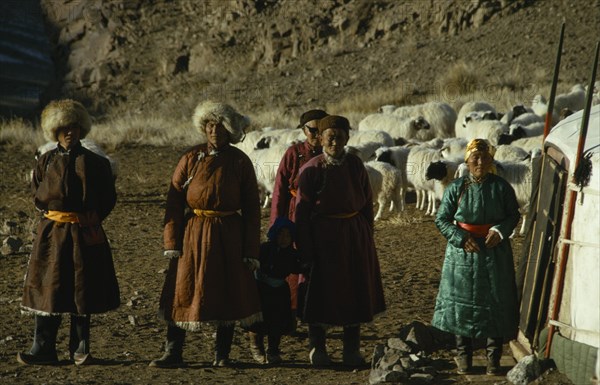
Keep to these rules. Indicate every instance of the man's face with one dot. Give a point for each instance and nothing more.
(479, 163)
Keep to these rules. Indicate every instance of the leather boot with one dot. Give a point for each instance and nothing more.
(43, 350)
(257, 347)
(318, 352)
(173, 356)
(223, 345)
(79, 340)
(273, 353)
(493, 349)
(351, 352)
(464, 356)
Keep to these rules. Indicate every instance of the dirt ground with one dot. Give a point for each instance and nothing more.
(410, 252)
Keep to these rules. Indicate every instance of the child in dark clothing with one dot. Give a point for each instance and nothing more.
(278, 259)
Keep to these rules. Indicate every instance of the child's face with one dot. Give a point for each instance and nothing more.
(284, 238)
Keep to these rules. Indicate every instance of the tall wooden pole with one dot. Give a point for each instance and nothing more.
(550, 110)
(564, 251)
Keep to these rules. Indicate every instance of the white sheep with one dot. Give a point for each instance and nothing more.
(530, 144)
(397, 126)
(396, 156)
(359, 137)
(280, 136)
(524, 177)
(485, 129)
(573, 100)
(266, 161)
(481, 108)
(248, 144)
(454, 148)
(526, 131)
(418, 160)
(387, 109)
(507, 152)
(85, 142)
(386, 184)
(442, 172)
(441, 117)
(516, 111)
(365, 151)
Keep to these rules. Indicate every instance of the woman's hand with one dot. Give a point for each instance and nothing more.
(471, 246)
(492, 239)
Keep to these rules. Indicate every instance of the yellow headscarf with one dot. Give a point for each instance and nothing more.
(481, 145)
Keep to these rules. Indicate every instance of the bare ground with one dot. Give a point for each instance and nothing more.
(410, 251)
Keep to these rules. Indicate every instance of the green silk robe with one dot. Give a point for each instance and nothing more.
(477, 295)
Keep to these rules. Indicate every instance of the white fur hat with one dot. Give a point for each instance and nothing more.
(62, 113)
(233, 121)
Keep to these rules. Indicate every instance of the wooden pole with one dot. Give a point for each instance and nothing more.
(550, 110)
(564, 251)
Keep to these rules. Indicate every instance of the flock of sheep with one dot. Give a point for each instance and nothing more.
(421, 147)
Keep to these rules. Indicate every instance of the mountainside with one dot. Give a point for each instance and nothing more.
(163, 56)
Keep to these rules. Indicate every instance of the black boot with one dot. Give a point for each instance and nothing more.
(464, 356)
(318, 351)
(223, 345)
(79, 340)
(351, 352)
(257, 347)
(173, 356)
(493, 349)
(273, 353)
(43, 350)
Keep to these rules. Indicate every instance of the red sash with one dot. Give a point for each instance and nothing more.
(477, 231)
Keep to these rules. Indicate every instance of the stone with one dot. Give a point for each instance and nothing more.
(11, 245)
(525, 371)
(399, 344)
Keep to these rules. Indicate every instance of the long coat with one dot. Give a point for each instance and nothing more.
(283, 203)
(71, 267)
(210, 282)
(477, 295)
(345, 286)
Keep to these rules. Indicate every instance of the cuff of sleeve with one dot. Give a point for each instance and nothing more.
(498, 231)
(172, 253)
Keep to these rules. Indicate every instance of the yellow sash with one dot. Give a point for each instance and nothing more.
(213, 213)
(343, 215)
(62, 216)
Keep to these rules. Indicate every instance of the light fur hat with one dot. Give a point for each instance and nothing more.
(233, 121)
(62, 113)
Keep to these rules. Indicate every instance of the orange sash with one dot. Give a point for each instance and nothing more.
(294, 192)
(343, 215)
(212, 213)
(478, 231)
(62, 216)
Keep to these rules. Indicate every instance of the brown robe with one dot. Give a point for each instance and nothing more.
(345, 286)
(71, 267)
(210, 282)
(283, 204)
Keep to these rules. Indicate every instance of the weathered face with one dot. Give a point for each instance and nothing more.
(216, 134)
(333, 141)
(479, 163)
(312, 133)
(284, 238)
(68, 136)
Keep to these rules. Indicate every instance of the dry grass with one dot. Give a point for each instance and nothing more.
(19, 132)
(460, 79)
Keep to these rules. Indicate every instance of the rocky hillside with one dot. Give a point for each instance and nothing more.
(163, 56)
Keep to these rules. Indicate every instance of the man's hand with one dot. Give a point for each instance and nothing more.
(471, 246)
(252, 263)
(492, 239)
